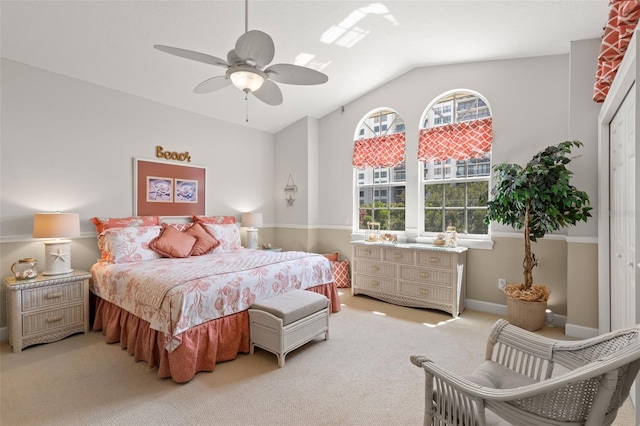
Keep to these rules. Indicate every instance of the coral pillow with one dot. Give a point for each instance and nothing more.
(130, 244)
(212, 220)
(341, 274)
(205, 241)
(333, 257)
(173, 243)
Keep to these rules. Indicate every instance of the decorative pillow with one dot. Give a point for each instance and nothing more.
(181, 226)
(213, 220)
(173, 243)
(130, 244)
(228, 235)
(333, 257)
(206, 241)
(341, 274)
(104, 223)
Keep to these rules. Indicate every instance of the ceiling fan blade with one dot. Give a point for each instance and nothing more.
(269, 93)
(255, 48)
(294, 74)
(212, 84)
(194, 56)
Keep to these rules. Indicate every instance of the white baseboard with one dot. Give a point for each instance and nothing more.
(580, 331)
(498, 309)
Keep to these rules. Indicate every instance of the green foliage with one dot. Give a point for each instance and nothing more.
(537, 197)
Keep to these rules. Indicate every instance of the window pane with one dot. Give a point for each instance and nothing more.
(476, 223)
(454, 195)
(396, 220)
(477, 193)
(454, 218)
(433, 220)
(366, 197)
(433, 195)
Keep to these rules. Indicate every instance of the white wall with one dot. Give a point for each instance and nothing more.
(68, 145)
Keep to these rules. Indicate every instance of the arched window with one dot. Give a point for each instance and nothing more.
(454, 151)
(380, 175)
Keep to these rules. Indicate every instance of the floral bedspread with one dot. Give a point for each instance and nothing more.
(174, 295)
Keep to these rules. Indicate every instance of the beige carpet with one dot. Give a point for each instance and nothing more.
(360, 376)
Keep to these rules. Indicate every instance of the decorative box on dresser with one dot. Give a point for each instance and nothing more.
(415, 275)
(47, 308)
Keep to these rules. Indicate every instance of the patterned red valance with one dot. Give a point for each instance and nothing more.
(381, 151)
(623, 17)
(458, 141)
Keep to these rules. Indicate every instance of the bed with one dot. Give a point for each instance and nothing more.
(182, 309)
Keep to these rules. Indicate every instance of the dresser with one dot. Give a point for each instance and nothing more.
(415, 275)
(47, 308)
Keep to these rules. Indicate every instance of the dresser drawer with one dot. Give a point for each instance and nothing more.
(398, 256)
(434, 259)
(54, 318)
(435, 276)
(374, 283)
(375, 268)
(52, 295)
(431, 293)
(367, 252)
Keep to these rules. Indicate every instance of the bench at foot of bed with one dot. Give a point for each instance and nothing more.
(286, 322)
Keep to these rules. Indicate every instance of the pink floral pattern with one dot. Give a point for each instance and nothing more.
(130, 244)
(194, 296)
(228, 234)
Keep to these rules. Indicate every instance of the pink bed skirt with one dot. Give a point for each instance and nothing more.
(202, 346)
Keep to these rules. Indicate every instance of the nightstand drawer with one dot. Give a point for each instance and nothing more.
(52, 295)
(55, 318)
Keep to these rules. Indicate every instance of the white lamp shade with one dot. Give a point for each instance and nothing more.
(56, 225)
(251, 220)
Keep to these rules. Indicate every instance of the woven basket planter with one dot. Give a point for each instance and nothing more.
(527, 315)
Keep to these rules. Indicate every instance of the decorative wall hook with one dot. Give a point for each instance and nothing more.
(289, 190)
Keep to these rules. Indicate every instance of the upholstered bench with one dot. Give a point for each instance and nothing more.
(286, 322)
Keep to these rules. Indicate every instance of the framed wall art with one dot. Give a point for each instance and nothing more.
(168, 189)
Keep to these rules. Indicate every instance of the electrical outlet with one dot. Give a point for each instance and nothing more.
(502, 283)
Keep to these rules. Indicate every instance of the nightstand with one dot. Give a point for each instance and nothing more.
(47, 308)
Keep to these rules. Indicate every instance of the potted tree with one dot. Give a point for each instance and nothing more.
(537, 198)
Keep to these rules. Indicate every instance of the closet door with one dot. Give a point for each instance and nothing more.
(622, 218)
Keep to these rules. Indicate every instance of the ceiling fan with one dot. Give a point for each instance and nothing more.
(245, 67)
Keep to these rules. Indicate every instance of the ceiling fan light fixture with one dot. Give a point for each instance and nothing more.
(247, 79)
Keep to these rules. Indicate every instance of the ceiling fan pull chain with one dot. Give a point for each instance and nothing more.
(246, 99)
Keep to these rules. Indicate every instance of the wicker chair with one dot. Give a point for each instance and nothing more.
(517, 381)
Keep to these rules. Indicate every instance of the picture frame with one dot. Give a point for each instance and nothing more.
(162, 188)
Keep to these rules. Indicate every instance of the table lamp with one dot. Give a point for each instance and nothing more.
(57, 250)
(252, 221)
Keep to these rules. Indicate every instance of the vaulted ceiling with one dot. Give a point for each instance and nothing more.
(359, 44)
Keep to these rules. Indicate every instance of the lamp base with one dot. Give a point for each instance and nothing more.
(57, 257)
(252, 238)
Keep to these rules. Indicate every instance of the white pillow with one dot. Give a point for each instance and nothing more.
(130, 244)
(227, 234)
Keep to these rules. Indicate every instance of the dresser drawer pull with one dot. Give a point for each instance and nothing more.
(397, 256)
(424, 291)
(55, 319)
(375, 283)
(375, 268)
(434, 259)
(367, 252)
(53, 295)
(424, 275)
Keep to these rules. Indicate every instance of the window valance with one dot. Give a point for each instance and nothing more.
(623, 17)
(381, 151)
(458, 141)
